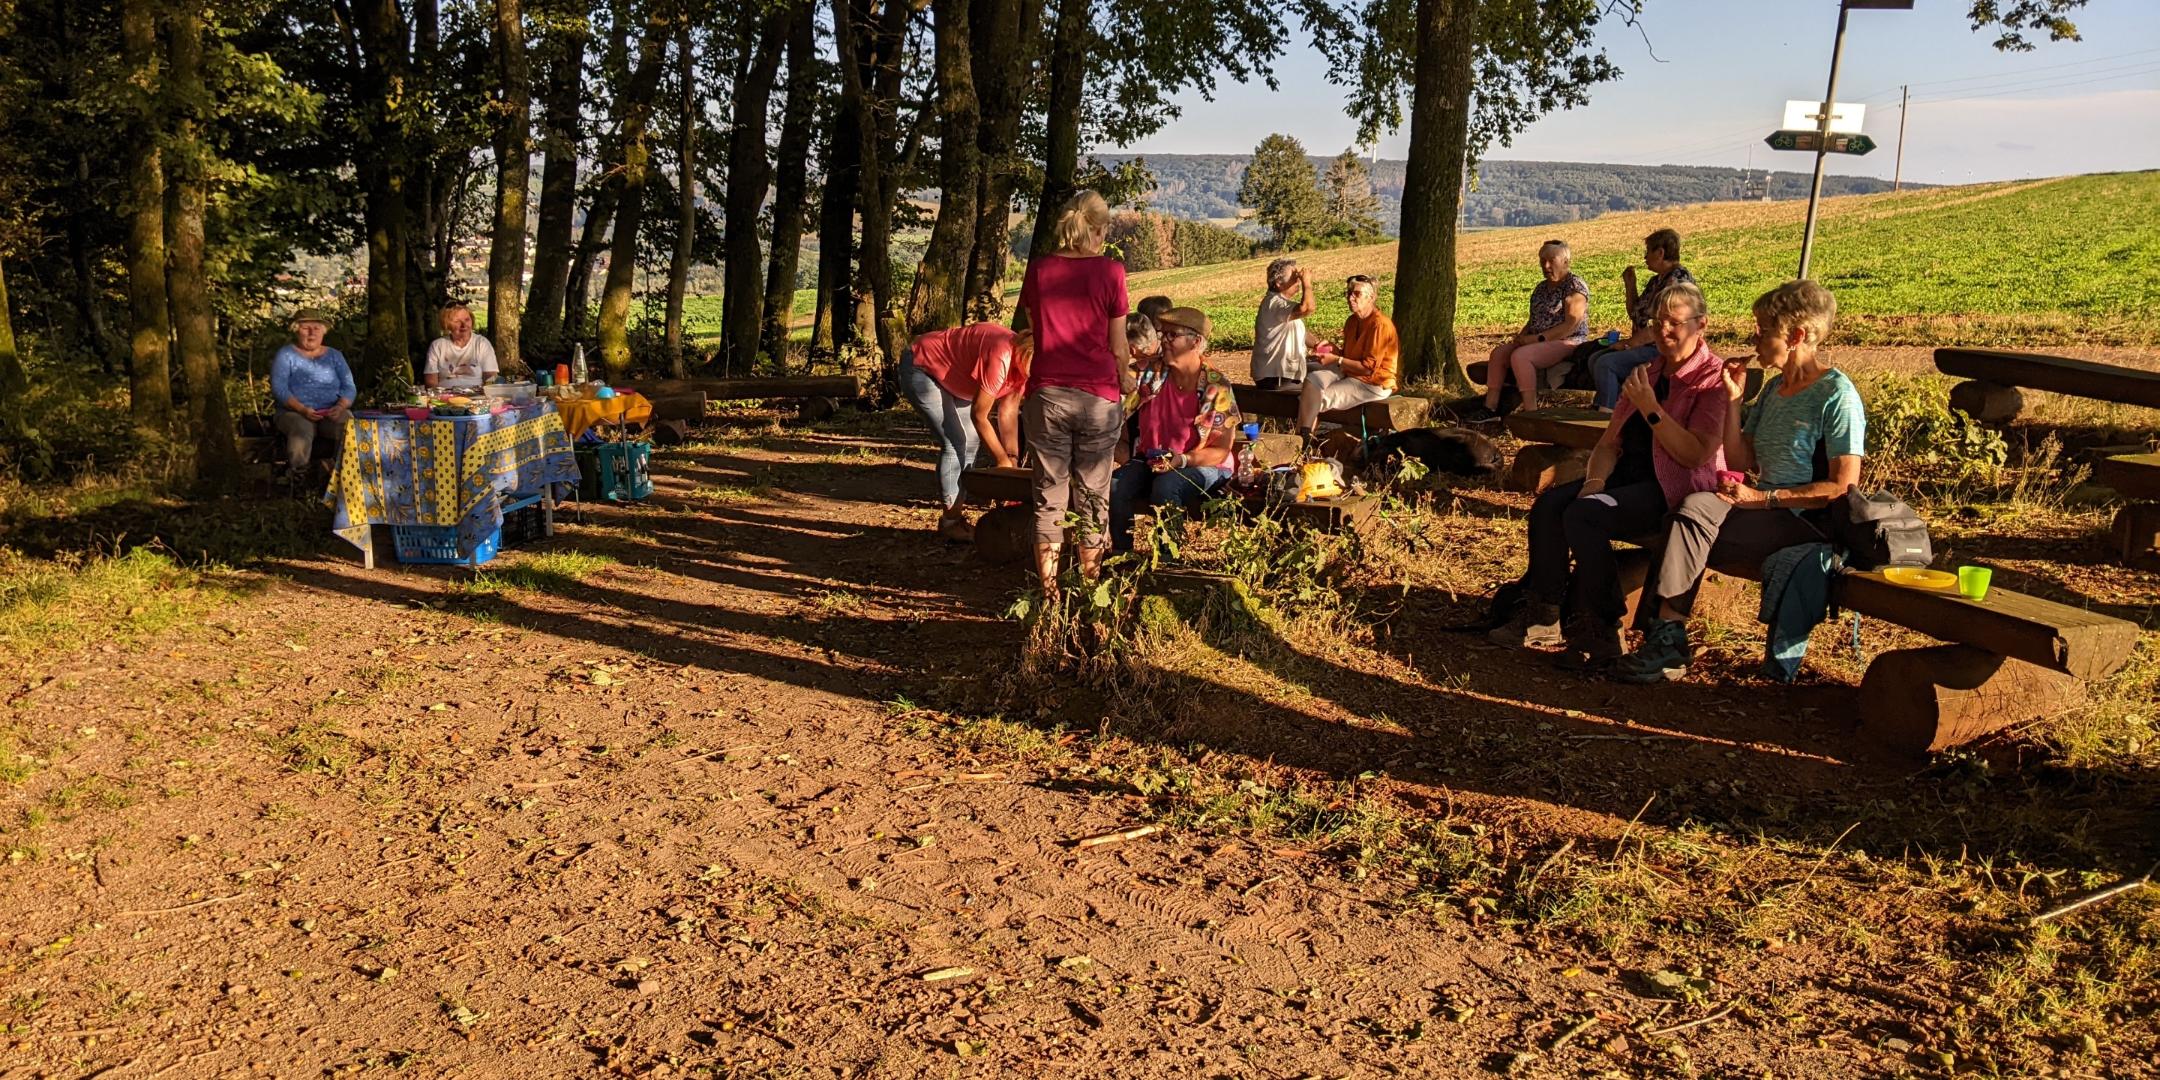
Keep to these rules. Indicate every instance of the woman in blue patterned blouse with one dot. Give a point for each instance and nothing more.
(1559, 321)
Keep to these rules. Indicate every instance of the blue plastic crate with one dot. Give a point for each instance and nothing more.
(437, 545)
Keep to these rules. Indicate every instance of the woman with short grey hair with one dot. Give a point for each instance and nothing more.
(1559, 321)
(1280, 340)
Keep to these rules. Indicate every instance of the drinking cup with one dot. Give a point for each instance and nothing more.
(1973, 581)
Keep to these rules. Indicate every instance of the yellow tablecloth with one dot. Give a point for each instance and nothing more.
(580, 415)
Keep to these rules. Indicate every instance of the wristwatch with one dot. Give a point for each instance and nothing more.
(1770, 498)
(1653, 419)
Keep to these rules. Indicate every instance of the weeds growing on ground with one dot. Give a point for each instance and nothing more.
(51, 606)
(546, 572)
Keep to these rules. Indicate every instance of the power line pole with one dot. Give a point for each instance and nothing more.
(1897, 178)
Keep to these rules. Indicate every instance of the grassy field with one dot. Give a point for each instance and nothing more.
(2046, 262)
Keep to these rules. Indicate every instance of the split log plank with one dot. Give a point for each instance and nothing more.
(994, 484)
(759, 389)
(1577, 429)
(2074, 641)
(2133, 476)
(1538, 466)
(1393, 413)
(2055, 374)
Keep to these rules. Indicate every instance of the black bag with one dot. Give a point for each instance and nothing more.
(1878, 530)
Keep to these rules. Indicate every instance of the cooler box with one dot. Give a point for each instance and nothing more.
(616, 472)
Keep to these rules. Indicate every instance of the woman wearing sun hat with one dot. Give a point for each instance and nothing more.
(313, 391)
(1187, 421)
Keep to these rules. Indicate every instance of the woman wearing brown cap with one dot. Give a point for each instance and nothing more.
(1187, 420)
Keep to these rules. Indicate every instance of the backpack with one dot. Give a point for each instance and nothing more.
(1878, 530)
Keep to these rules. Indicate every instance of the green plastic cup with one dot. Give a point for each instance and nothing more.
(1973, 581)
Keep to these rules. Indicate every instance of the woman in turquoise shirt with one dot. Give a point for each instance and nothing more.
(1802, 441)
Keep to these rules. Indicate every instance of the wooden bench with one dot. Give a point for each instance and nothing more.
(1990, 394)
(1556, 446)
(1392, 413)
(2136, 477)
(816, 396)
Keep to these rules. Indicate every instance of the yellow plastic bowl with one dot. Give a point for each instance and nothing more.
(1913, 577)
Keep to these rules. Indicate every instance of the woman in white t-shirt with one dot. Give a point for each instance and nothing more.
(461, 359)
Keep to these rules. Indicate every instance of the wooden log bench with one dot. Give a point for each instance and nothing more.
(1994, 376)
(1392, 413)
(816, 396)
(2136, 477)
(1556, 446)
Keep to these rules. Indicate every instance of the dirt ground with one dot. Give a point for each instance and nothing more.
(682, 817)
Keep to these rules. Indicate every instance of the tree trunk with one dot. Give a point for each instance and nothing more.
(427, 190)
(1432, 192)
(791, 185)
(871, 67)
(217, 455)
(149, 325)
(96, 335)
(937, 299)
(749, 174)
(383, 78)
(558, 196)
(13, 381)
(577, 301)
(513, 176)
(686, 198)
(834, 328)
(1068, 78)
(629, 203)
(1001, 78)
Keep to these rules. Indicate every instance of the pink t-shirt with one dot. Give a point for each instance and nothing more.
(970, 360)
(1166, 421)
(1070, 303)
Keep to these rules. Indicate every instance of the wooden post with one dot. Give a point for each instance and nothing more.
(1989, 403)
(2137, 535)
(1931, 699)
(1538, 466)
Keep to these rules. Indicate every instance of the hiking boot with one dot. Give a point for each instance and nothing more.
(1592, 643)
(1481, 415)
(1534, 624)
(1663, 656)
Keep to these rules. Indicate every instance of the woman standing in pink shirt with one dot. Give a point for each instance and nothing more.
(1076, 305)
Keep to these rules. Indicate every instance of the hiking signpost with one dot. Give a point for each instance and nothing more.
(1809, 140)
(1831, 126)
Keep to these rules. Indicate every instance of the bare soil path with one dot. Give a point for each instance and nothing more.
(680, 817)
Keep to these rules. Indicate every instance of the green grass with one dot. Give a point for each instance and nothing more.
(2052, 262)
(49, 606)
(548, 572)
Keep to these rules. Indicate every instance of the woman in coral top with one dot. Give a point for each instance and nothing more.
(1076, 305)
(967, 384)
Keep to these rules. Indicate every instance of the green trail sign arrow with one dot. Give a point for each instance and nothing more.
(1808, 140)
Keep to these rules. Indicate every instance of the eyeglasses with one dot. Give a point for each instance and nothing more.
(1179, 331)
(1356, 280)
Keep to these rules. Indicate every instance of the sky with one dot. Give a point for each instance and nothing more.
(1723, 69)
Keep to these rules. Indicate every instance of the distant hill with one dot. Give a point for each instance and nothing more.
(1508, 193)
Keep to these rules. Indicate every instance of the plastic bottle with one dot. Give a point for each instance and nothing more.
(577, 365)
(1247, 471)
(1612, 337)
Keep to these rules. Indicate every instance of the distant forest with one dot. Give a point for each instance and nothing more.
(1507, 192)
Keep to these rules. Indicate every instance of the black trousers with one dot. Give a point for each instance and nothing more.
(1568, 530)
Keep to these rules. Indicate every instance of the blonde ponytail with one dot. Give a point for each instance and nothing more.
(1079, 220)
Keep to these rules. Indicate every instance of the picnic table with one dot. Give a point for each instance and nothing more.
(445, 471)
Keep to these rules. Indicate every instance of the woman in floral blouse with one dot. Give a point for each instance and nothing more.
(1187, 418)
(1559, 321)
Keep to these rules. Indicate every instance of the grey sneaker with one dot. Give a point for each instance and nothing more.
(1592, 643)
(1663, 656)
(1534, 624)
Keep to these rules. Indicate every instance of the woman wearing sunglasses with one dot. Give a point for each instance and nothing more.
(1366, 369)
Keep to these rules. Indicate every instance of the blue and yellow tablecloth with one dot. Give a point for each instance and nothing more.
(444, 470)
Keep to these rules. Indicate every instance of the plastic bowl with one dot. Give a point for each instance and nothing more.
(1913, 577)
(416, 412)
